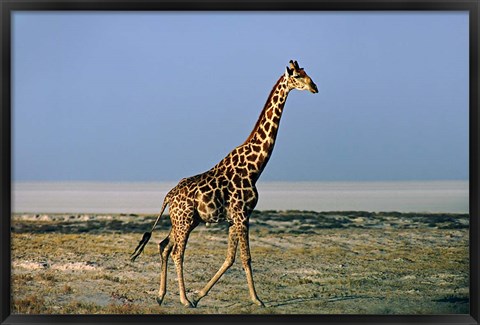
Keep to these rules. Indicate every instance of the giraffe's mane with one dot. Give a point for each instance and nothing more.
(269, 99)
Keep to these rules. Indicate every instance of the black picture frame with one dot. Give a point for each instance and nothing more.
(9, 6)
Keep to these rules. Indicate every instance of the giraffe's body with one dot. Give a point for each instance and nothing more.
(226, 192)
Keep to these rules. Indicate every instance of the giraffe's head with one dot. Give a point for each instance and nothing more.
(297, 78)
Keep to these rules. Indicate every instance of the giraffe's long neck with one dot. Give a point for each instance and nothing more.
(262, 138)
(250, 158)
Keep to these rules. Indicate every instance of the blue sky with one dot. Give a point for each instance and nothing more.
(152, 96)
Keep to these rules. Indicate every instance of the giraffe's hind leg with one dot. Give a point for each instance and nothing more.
(165, 248)
(181, 239)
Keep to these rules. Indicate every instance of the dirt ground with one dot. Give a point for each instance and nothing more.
(303, 263)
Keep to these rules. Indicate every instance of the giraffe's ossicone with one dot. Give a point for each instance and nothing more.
(225, 192)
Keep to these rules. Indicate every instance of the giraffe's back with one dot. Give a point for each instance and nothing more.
(211, 197)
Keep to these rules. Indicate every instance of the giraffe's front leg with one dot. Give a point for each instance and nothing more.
(247, 261)
(231, 251)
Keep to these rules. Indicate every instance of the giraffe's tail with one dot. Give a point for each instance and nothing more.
(146, 236)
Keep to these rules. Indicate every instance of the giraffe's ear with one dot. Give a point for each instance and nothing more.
(288, 72)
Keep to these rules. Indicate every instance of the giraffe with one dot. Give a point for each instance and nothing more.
(225, 192)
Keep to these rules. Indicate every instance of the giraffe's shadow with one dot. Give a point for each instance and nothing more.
(285, 302)
(301, 300)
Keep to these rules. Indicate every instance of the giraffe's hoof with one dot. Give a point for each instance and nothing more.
(196, 298)
(188, 304)
(259, 303)
(159, 300)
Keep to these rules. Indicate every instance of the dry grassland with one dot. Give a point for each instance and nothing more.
(303, 263)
